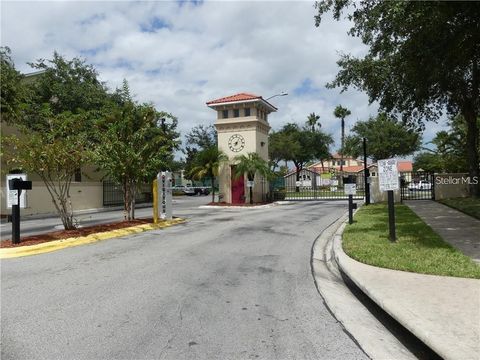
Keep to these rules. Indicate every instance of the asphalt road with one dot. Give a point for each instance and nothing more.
(228, 284)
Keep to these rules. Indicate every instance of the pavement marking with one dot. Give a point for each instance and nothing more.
(8, 253)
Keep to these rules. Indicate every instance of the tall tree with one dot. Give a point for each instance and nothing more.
(132, 145)
(13, 92)
(450, 149)
(341, 113)
(251, 164)
(301, 145)
(54, 154)
(198, 139)
(423, 58)
(206, 165)
(386, 138)
(69, 85)
(312, 121)
(55, 120)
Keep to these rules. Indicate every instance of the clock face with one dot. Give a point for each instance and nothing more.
(236, 143)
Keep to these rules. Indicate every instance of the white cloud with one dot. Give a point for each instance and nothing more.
(197, 53)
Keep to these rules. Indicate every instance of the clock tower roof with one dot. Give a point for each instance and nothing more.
(240, 98)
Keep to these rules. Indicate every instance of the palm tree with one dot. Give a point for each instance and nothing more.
(341, 113)
(206, 165)
(312, 120)
(250, 164)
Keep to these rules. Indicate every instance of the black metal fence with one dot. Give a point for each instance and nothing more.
(308, 185)
(417, 185)
(113, 194)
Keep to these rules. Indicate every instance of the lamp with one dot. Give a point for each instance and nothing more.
(283, 93)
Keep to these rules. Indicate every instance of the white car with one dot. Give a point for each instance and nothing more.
(420, 185)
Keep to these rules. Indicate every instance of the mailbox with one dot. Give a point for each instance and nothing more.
(19, 184)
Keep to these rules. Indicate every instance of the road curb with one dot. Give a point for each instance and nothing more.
(9, 253)
(390, 289)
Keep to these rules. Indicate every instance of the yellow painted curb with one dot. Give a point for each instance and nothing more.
(8, 253)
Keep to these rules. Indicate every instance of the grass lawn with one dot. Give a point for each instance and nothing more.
(469, 206)
(417, 249)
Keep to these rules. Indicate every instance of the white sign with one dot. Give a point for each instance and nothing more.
(298, 183)
(164, 181)
(250, 183)
(388, 175)
(350, 189)
(12, 197)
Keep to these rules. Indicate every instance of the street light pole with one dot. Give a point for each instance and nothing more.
(283, 93)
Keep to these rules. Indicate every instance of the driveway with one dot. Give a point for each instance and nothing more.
(228, 284)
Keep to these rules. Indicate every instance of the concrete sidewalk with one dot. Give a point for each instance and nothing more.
(443, 312)
(458, 229)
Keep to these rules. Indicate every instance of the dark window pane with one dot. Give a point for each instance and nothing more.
(225, 114)
(236, 113)
(247, 112)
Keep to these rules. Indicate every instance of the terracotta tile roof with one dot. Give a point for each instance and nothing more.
(404, 166)
(233, 98)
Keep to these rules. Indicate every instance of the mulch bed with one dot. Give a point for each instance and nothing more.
(65, 234)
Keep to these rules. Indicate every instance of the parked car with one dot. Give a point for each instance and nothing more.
(196, 190)
(419, 185)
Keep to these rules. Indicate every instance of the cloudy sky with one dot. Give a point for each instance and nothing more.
(179, 55)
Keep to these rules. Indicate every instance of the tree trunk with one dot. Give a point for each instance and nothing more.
(341, 149)
(299, 169)
(213, 189)
(470, 116)
(133, 200)
(125, 199)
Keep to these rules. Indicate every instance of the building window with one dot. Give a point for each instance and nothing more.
(236, 113)
(247, 112)
(225, 114)
(78, 175)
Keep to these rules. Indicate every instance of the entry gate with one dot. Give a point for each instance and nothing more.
(113, 194)
(308, 185)
(418, 185)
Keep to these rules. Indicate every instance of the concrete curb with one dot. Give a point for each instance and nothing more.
(9, 253)
(443, 312)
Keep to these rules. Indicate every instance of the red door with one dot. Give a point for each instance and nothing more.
(238, 188)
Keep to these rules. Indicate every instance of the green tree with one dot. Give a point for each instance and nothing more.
(450, 149)
(206, 165)
(198, 139)
(300, 145)
(312, 121)
(132, 145)
(423, 58)
(427, 161)
(341, 113)
(13, 92)
(250, 165)
(55, 121)
(386, 138)
(54, 154)
(66, 85)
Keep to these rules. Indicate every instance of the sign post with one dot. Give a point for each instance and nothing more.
(388, 180)
(164, 181)
(350, 190)
(15, 184)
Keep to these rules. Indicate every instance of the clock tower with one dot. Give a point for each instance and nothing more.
(242, 128)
